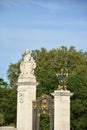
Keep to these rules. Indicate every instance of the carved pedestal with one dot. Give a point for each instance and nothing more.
(62, 109)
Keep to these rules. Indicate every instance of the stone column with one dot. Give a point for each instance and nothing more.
(26, 93)
(62, 109)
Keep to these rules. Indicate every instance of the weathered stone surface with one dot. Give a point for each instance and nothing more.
(62, 109)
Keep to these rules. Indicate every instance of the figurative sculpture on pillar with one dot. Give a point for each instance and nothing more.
(26, 92)
(27, 66)
(62, 79)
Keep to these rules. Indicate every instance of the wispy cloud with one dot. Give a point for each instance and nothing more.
(61, 4)
(49, 4)
(10, 3)
(45, 4)
(76, 24)
(52, 5)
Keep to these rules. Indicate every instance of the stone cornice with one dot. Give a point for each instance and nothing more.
(62, 93)
(27, 83)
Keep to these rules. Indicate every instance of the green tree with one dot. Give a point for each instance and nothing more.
(78, 85)
(1, 119)
(11, 110)
(3, 84)
(8, 99)
(4, 90)
(13, 73)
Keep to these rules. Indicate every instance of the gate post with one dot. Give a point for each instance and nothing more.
(26, 92)
(62, 109)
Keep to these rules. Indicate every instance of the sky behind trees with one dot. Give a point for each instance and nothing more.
(34, 24)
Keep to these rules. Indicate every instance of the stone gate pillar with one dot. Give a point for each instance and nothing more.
(62, 109)
(26, 92)
(62, 103)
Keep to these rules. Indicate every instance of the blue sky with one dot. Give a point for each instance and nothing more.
(34, 24)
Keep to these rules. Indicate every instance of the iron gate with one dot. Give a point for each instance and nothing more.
(43, 105)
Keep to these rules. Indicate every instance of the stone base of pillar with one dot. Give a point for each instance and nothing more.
(62, 109)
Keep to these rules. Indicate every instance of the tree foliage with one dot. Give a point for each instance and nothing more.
(13, 73)
(8, 99)
(3, 84)
(1, 119)
(44, 122)
(78, 85)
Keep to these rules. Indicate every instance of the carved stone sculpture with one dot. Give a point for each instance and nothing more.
(27, 66)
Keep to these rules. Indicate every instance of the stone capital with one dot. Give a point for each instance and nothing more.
(62, 93)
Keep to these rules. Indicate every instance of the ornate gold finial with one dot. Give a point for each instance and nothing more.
(62, 79)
